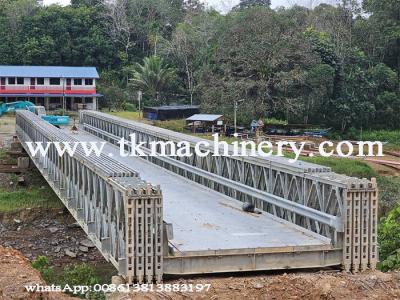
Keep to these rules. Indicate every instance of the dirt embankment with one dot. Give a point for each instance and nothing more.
(49, 232)
(16, 273)
(320, 285)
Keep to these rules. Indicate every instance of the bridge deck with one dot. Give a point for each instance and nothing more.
(205, 220)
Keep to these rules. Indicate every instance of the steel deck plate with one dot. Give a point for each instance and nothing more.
(207, 220)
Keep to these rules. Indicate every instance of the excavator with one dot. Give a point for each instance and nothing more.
(38, 110)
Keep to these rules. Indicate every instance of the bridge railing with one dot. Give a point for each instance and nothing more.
(122, 214)
(341, 208)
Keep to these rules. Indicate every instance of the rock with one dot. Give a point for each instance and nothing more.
(87, 243)
(19, 228)
(53, 229)
(18, 221)
(73, 225)
(117, 280)
(84, 249)
(70, 253)
(258, 286)
(57, 249)
(326, 289)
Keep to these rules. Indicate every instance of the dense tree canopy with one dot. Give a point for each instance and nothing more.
(335, 66)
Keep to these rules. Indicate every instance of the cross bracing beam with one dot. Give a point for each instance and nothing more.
(121, 213)
(293, 192)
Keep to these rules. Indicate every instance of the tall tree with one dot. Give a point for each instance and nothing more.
(386, 17)
(243, 4)
(152, 77)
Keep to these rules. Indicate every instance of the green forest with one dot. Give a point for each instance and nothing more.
(335, 66)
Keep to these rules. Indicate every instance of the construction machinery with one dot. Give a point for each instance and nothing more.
(37, 110)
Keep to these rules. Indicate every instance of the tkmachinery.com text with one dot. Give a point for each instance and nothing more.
(214, 147)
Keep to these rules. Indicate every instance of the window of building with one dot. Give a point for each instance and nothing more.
(11, 80)
(54, 81)
(20, 80)
(40, 81)
(78, 81)
(88, 81)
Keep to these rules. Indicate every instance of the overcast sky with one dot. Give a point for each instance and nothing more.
(226, 5)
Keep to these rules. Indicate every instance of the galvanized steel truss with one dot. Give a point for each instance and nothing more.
(305, 194)
(121, 213)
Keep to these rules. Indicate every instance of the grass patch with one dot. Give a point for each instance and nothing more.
(345, 166)
(349, 167)
(131, 115)
(3, 154)
(389, 193)
(37, 194)
(72, 275)
(393, 137)
(174, 125)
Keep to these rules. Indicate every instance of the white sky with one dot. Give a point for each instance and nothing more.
(225, 5)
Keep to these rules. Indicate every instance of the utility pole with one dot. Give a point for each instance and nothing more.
(140, 94)
(235, 108)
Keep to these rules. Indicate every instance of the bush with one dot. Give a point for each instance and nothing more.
(389, 240)
(389, 193)
(391, 136)
(130, 107)
(84, 275)
(41, 263)
(79, 275)
(392, 262)
(273, 121)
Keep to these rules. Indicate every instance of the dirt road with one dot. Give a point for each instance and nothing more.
(320, 285)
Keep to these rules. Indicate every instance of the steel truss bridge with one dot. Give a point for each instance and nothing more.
(311, 217)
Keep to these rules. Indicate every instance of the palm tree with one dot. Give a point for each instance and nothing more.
(152, 77)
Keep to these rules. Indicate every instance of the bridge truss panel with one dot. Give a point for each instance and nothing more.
(305, 194)
(106, 198)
